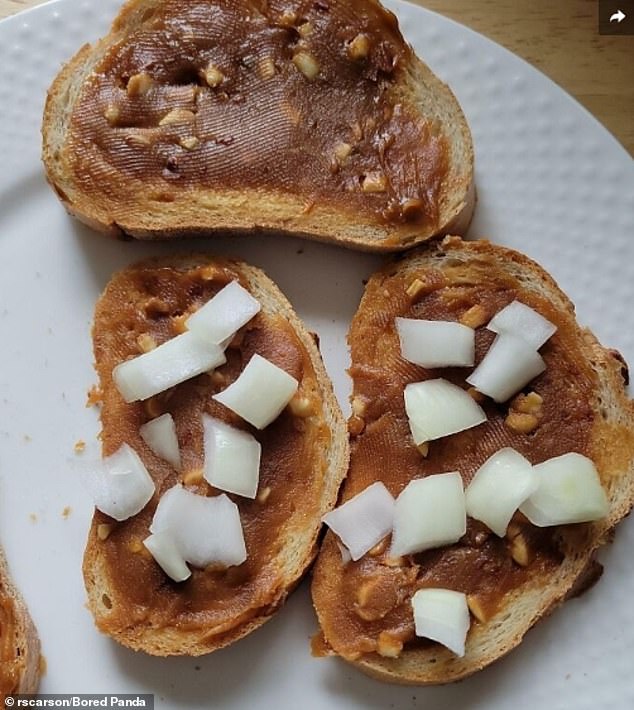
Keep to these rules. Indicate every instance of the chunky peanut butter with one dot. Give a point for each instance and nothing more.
(291, 96)
(152, 303)
(361, 603)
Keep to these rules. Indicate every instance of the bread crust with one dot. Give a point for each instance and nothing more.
(204, 211)
(611, 448)
(294, 555)
(25, 642)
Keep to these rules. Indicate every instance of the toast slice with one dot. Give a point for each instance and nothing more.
(20, 662)
(304, 458)
(310, 118)
(364, 608)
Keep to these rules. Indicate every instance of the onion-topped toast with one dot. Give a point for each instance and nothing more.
(490, 489)
(19, 644)
(310, 118)
(178, 564)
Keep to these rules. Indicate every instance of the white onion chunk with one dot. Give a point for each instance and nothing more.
(522, 321)
(232, 458)
(120, 484)
(260, 393)
(167, 555)
(442, 615)
(437, 408)
(364, 520)
(499, 487)
(160, 435)
(436, 343)
(430, 512)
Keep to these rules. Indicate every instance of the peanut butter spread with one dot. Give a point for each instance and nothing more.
(293, 96)
(365, 606)
(147, 306)
(9, 664)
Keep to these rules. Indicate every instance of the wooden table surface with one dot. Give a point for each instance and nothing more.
(560, 38)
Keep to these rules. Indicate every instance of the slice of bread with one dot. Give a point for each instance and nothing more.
(304, 458)
(20, 661)
(310, 118)
(364, 608)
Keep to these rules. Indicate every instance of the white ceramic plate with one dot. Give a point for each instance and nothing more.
(551, 181)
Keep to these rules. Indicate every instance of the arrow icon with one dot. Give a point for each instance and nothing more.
(619, 16)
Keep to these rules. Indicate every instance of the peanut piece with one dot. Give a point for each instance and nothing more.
(374, 182)
(415, 288)
(145, 342)
(266, 68)
(342, 152)
(139, 84)
(307, 64)
(356, 425)
(474, 317)
(476, 395)
(358, 406)
(112, 114)
(177, 115)
(379, 548)
(305, 29)
(153, 407)
(475, 607)
(264, 494)
(521, 423)
(189, 143)
(423, 449)
(213, 76)
(519, 550)
(530, 403)
(301, 407)
(388, 645)
(103, 531)
(359, 48)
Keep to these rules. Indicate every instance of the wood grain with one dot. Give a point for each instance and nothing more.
(559, 38)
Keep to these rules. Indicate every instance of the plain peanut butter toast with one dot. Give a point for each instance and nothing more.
(223, 446)
(492, 454)
(309, 117)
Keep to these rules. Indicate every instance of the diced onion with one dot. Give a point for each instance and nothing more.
(260, 393)
(232, 458)
(160, 435)
(120, 484)
(436, 343)
(522, 321)
(499, 487)
(437, 408)
(569, 491)
(509, 365)
(221, 317)
(205, 530)
(442, 615)
(165, 551)
(430, 512)
(364, 520)
(173, 362)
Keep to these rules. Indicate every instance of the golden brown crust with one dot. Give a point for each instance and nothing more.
(609, 442)
(19, 642)
(128, 594)
(333, 205)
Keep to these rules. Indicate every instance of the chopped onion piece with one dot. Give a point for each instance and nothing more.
(120, 484)
(221, 317)
(430, 512)
(260, 393)
(232, 458)
(437, 408)
(499, 487)
(160, 435)
(364, 520)
(525, 323)
(436, 343)
(569, 491)
(173, 362)
(166, 553)
(205, 530)
(510, 364)
(442, 615)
